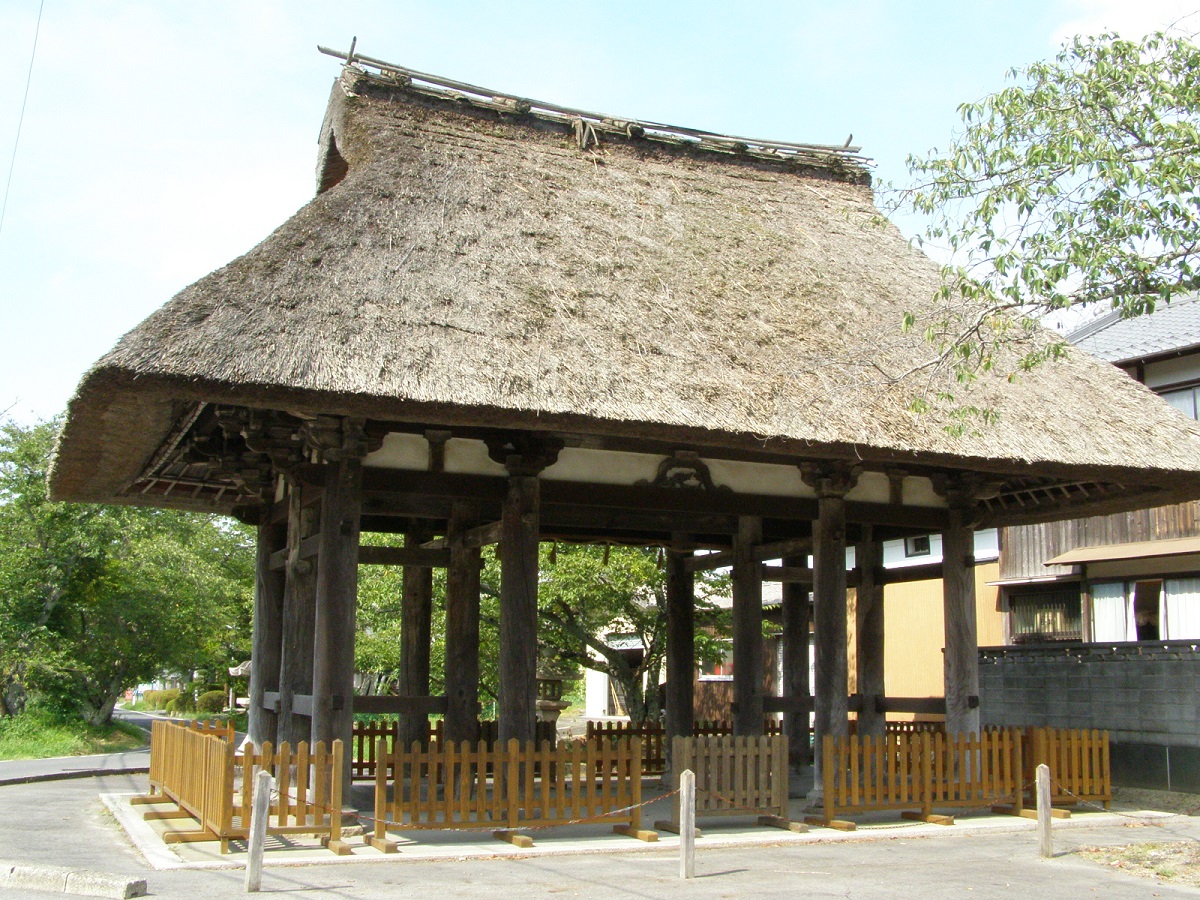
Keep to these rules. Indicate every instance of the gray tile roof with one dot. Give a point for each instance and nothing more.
(1174, 326)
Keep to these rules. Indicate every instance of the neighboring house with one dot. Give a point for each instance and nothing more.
(1127, 577)
(1102, 614)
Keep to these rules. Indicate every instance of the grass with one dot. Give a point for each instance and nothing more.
(38, 735)
(1177, 862)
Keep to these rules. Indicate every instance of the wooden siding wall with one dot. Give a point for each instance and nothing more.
(1023, 549)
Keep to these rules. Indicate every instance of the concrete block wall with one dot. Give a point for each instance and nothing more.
(1147, 695)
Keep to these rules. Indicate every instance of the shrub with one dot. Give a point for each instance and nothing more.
(160, 699)
(174, 706)
(210, 702)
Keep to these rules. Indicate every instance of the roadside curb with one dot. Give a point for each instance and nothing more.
(78, 773)
(61, 880)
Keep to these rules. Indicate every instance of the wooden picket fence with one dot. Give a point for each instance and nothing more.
(735, 776)
(916, 773)
(367, 734)
(198, 773)
(1079, 763)
(222, 728)
(906, 727)
(653, 737)
(506, 788)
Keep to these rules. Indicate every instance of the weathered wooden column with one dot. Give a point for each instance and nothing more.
(831, 714)
(267, 636)
(337, 591)
(299, 618)
(747, 629)
(416, 618)
(524, 457)
(869, 610)
(795, 613)
(681, 647)
(462, 629)
(962, 641)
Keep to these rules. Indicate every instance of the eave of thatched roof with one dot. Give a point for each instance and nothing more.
(478, 266)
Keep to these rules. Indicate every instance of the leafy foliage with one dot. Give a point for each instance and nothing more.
(1078, 184)
(95, 599)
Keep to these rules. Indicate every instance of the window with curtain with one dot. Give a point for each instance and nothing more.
(1110, 613)
(1045, 615)
(1181, 608)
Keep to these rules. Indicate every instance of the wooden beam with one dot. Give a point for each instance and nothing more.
(829, 608)
(788, 574)
(462, 629)
(681, 648)
(869, 632)
(267, 630)
(518, 609)
(403, 556)
(928, 706)
(796, 619)
(385, 704)
(747, 630)
(483, 535)
(416, 631)
(906, 574)
(962, 641)
(299, 598)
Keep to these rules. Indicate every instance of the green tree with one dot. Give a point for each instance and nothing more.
(95, 599)
(603, 609)
(1078, 184)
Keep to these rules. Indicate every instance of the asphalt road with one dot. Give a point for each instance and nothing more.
(64, 823)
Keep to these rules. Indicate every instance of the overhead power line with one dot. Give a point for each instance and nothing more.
(12, 163)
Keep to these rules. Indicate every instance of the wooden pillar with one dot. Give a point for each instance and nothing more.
(299, 618)
(519, 529)
(795, 612)
(267, 641)
(962, 642)
(831, 714)
(337, 595)
(416, 618)
(747, 629)
(681, 648)
(869, 609)
(462, 629)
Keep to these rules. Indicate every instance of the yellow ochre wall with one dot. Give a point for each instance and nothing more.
(915, 633)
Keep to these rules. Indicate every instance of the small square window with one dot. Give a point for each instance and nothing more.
(916, 546)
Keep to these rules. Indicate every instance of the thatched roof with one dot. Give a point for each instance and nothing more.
(473, 265)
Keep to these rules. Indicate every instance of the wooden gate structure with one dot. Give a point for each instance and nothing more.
(199, 771)
(605, 331)
(504, 788)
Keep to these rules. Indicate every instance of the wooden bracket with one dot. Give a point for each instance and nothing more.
(839, 824)
(781, 822)
(513, 837)
(931, 818)
(642, 834)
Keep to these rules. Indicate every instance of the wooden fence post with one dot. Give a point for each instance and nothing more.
(264, 784)
(687, 824)
(1043, 811)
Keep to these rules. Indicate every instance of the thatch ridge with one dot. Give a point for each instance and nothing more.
(474, 266)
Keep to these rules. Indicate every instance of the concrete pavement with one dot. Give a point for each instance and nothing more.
(64, 823)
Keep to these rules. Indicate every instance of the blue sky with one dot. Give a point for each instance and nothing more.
(161, 138)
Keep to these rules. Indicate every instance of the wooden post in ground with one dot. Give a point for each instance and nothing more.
(747, 629)
(267, 640)
(681, 651)
(962, 644)
(416, 617)
(869, 631)
(1042, 782)
(524, 457)
(796, 620)
(337, 596)
(299, 617)
(832, 483)
(264, 784)
(462, 630)
(518, 610)
(687, 824)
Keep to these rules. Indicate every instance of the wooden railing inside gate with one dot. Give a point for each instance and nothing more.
(199, 772)
(653, 737)
(367, 734)
(1079, 763)
(735, 776)
(503, 789)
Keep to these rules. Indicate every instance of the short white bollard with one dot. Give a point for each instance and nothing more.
(264, 785)
(687, 824)
(1042, 781)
